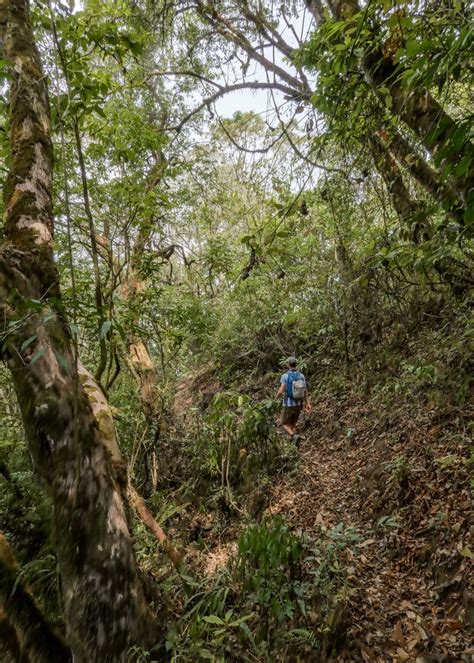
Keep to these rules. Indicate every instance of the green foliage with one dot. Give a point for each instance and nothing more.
(214, 256)
(387, 523)
(269, 554)
(399, 468)
(278, 596)
(251, 422)
(235, 449)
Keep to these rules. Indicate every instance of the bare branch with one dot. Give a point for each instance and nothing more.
(306, 158)
(265, 28)
(229, 31)
(250, 85)
(262, 150)
(193, 74)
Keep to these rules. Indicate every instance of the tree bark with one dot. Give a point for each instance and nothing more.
(142, 364)
(29, 636)
(147, 518)
(9, 639)
(104, 609)
(102, 413)
(99, 299)
(398, 146)
(416, 107)
(409, 210)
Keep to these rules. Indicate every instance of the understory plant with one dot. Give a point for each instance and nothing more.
(282, 595)
(236, 443)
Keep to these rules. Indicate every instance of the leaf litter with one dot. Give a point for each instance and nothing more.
(411, 576)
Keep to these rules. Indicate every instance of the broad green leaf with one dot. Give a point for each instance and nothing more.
(62, 361)
(214, 619)
(40, 353)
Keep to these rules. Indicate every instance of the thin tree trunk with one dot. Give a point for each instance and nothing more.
(104, 609)
(147, 518)
(98, 296)
(99, 300)
(143, 366)
(28, 633)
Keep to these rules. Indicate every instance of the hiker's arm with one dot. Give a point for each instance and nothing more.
(281, 391)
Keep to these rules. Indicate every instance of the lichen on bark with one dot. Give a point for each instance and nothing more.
(104, 609)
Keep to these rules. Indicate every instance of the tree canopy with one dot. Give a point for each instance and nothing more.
(194, 191)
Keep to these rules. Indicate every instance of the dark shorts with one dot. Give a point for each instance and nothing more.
(290, 415)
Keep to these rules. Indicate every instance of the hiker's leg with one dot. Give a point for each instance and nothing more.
(289, 429)
(296, 416)
(292, 422)
(286, 420)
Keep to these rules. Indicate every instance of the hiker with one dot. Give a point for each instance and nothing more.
(294, 393)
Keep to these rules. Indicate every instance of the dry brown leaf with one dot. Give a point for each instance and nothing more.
(412, 643)
(403, 655)
(421, 631)
(367, 654)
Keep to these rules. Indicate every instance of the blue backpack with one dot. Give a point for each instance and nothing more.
(295, 385)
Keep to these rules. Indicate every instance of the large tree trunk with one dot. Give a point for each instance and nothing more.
(414, 222)
(399, 147)
(416, 107)
(410, 211)
(102, 597)
(103, 414)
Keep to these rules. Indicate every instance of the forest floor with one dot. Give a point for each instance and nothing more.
(397, 471)
(401, 481)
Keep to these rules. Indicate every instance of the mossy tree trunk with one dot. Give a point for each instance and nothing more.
(103, 414)
(398, 146)
(416, 107)
(410, 211)
(104, 610)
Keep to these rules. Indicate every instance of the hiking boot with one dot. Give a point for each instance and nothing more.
(296, 439)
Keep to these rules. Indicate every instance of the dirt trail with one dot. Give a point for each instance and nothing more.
(402, 482)
(398, 472)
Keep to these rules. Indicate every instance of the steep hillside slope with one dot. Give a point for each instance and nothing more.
(393, 473)
(400, 478)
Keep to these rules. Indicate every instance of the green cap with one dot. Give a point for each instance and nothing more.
(292, 360)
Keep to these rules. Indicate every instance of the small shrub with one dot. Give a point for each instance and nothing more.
(399, 468)
(282, 596)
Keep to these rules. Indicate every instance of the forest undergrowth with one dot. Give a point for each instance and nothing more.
(362, 550)
(354, 547)
(193, 192)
